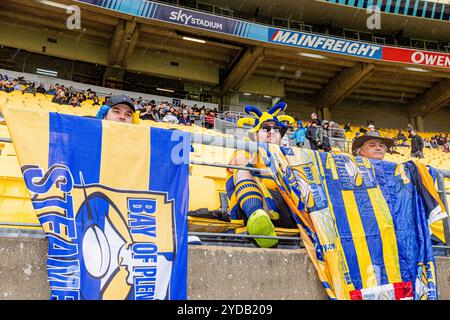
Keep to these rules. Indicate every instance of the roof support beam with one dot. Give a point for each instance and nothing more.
(123, 42)
(343, 84)
(433, 99)
(243, 69)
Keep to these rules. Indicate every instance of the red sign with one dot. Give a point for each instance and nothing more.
(419, 57)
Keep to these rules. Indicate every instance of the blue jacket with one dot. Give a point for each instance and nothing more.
(299, 135)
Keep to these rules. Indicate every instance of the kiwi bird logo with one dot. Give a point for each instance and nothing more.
(352, 170)
(107, 263)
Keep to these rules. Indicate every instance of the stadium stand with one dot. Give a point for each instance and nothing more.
(388, 77)
(202, 178)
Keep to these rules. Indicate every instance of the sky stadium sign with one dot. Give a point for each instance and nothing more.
(262, 33)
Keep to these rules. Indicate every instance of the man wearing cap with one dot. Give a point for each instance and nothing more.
(253, 196)
(372, 145)
(120, 108)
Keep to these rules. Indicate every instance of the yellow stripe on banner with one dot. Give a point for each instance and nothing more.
(125, 156)
(387, 232)
(29, 145)
(359, 239)
(341, 288)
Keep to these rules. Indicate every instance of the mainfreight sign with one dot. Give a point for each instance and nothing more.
(323, 43)
(253, 31)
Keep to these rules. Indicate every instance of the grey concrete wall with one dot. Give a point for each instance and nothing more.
(228, 273)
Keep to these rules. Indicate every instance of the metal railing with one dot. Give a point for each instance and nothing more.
(250, 147)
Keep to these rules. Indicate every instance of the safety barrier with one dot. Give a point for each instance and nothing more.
(250, 147)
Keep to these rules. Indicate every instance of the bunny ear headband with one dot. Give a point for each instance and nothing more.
(258, 117)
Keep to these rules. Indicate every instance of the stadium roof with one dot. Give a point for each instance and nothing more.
(327, 78)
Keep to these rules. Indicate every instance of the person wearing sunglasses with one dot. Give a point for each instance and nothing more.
(252, 196)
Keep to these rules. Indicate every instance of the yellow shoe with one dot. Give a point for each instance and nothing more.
(260, 224)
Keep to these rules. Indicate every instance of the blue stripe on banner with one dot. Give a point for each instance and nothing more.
(415, 8)
(147, 10)
(326, 285)
(373, 236)
(238, 31)
(369, 4)
(433, 11)
(77, 143)
(244, 29)
(144, 8)
(397, 6)
(343, 226)
(162, 173)
(390, 189)
(388, 5)
(405, 10)
(244, 26)
(442, 11)
(424, 10)
(152, 10)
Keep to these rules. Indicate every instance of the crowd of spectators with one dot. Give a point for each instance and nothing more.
(182, 114)
(317, 134)
(61, 94)
(148, 109)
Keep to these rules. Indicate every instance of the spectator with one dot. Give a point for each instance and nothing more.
(185, 119)
(426, 143)
(314, 135)
(74, 102)
(170, 118)
(372, 145)
(16, 85)
(96, 101)
(160, 114)
(209, 121)
(409, 129)
(371, 128)
(357, 135)
(146, 113)
(315, 117)
(324, 143)
(120, 108)
(416, 145)
(362, 129)
(41, 89)
(51, 90)
(347, 127)
(299, 135)
(401, 139)
(246, 197)
(60, 98)
(433, 142)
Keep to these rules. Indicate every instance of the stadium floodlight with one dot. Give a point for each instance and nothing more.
(268, 97)
(416, 69)
(247, 94)
(311, 55)
(194, 39)
(166, 90)
(47, 72)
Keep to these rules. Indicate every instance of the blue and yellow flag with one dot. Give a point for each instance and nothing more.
(365, 224)
(112, 202)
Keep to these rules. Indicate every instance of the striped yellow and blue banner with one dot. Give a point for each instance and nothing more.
(365, 224)
(112, 202)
